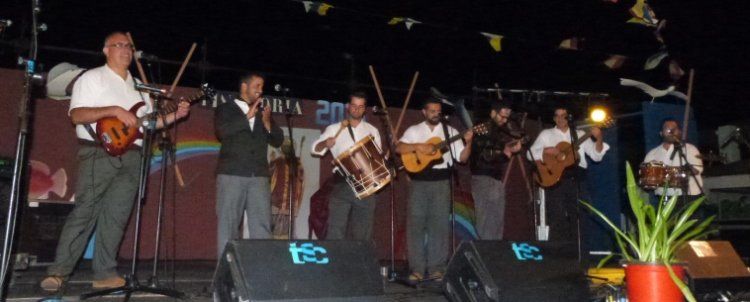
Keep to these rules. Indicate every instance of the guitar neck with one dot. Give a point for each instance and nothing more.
(170, 109)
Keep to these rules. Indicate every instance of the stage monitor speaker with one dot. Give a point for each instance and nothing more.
(714, 265)
(515, 271)
(279, 270)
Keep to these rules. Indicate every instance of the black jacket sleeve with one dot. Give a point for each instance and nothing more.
(228, 121)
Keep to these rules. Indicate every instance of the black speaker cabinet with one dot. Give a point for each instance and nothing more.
(278, 270)
(515, 271)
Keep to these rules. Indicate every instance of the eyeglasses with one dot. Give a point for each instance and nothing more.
(121, 46)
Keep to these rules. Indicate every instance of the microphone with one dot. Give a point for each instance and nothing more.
(278, 88)
(150, 89)
(731, 137)
(377, 110)
(477, 89)
(5, 23)
(146, 56)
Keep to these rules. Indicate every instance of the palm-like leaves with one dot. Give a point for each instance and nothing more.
(659, 232)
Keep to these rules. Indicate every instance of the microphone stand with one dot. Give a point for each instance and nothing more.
(131, 281)
(292, 160)
(21, 149)
(452, 171)
(391, 162)
(687, 168)
(167, 147)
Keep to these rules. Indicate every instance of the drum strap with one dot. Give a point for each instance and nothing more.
(351, 132)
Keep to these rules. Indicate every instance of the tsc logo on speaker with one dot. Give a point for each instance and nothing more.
(525, 251)
(308, 253)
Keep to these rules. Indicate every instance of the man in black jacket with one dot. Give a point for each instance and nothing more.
(245, 131)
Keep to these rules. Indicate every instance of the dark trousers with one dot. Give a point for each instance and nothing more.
(562, 206)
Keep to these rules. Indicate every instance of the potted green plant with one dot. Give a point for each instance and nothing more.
(651, 271)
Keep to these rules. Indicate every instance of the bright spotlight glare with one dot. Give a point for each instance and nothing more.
(598, 115)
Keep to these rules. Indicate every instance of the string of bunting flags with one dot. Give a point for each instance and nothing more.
(641, 14)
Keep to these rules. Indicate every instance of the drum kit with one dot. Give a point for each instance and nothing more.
(656, 174)
(364, 167)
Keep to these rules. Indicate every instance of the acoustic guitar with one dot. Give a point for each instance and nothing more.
(115, 137)
(552, 167)
(417, 161)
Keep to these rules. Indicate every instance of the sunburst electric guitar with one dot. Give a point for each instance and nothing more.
(115, 137)
(416, 161)
(552, 167)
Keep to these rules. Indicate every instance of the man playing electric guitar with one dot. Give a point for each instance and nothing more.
(429, 203)
(107, 185)
(561, 199)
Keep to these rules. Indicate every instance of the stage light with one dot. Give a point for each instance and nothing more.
(598, 115)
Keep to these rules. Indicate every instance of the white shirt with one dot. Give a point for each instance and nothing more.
(102, 87)
(421, 132)
(551, 137)
(344, 140)
(245, 107)
(662, 155)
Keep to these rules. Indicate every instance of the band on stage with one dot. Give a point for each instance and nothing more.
(425, 153)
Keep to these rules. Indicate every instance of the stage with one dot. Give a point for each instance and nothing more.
(193, 278)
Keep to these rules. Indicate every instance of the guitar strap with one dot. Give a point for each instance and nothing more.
(91, 132)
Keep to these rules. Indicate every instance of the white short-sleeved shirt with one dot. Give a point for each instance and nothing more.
(659, 154)
(553, 136)
(344, 140)
(102, 87)
(421, 132)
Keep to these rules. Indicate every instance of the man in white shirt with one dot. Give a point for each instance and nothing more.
(428, 222)
(667, 154)
(107, 185)
(345, 210)
(561, 199)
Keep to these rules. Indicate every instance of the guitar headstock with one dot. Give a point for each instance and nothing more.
(481, 129)
(208, 91)
(606, 123)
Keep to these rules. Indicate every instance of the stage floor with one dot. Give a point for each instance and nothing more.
(191, 277)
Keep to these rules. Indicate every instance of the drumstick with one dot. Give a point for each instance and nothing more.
(406, 103)
(137, 62)
(344, 124)
(182, 69)
(685, 118)
(382, 101)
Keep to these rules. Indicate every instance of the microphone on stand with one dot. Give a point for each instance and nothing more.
(150, 89)
(279, 88)
(677, 143)
(146, 56)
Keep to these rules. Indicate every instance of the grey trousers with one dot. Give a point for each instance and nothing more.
(105, 194)
(489, 206)
(346, 210)
(428, 225)
(236, 195)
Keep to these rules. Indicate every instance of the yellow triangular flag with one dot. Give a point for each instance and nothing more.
(643, 14)
(494, 40)
(323, 8)
(395, 20)
(571, 43)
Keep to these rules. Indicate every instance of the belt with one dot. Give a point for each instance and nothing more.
(88, 143)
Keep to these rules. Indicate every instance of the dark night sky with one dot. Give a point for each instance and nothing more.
(311, 54)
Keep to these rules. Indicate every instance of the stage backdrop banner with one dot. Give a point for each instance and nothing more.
(190, 216)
